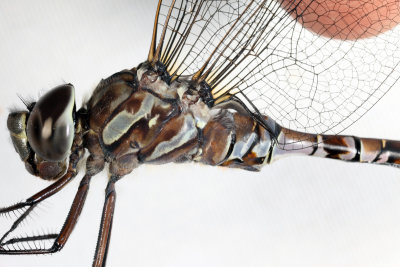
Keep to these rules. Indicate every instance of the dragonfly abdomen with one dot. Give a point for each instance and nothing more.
(343, 147)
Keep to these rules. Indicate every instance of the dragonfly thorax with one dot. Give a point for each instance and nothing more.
(141, 116)
(136, 116)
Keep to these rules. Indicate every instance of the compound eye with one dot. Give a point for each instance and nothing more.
(50, 126)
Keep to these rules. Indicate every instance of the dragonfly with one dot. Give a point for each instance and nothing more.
(280, 163)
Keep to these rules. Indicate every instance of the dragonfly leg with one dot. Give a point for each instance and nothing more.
(118, 168)
(61, 238)
(103, 240)
(42, 195)
(25, 208)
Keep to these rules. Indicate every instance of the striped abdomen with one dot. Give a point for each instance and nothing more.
(348, 148)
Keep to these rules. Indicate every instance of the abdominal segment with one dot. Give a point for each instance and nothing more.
(343, 147)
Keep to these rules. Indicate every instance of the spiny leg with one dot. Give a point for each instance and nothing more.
(34, 200)
(93, 166)
(43, 194)
(59, 239)
(103, 240)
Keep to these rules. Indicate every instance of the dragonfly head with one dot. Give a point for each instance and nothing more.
(43, 135)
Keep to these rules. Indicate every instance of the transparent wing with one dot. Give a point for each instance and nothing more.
(310, 65)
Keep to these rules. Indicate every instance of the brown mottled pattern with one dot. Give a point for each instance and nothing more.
(390, 153)
(243, 126)
(216, 142)
(371, 148)
(229, 140)
(170, 130)
(336, 147)
(140, 135)
(113, 91)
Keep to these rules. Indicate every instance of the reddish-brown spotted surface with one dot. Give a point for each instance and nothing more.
(343, 19)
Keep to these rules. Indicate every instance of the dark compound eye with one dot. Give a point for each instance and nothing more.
(50, 127)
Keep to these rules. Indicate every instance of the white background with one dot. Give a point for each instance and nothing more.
(296, 212)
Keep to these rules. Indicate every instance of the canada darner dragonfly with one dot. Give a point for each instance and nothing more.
(246, 178)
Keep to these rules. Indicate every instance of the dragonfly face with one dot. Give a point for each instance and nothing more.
(226, 249)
